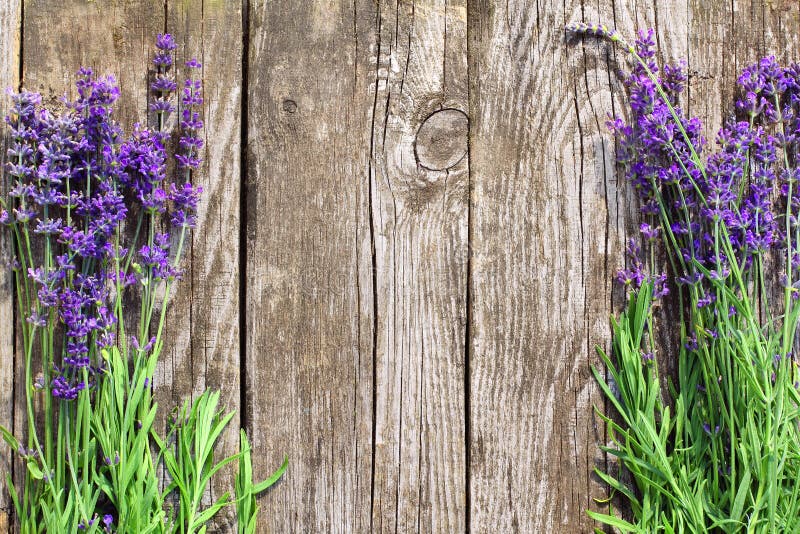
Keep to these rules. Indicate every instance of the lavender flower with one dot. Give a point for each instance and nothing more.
(185, 197)
(725, 220)
(163, 85)
(191, 123)
(76, 178)
(87, 206)
(165, 44)
(635, 275)
(599, 30)
(730, 193)
(648, 232)
(185, 200)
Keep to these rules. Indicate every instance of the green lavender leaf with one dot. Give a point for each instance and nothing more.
(269, 482)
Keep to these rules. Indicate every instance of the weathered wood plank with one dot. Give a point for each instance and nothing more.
(10, 39)
(548, 218)
(309, 308)
(419, 210)
(203, 332)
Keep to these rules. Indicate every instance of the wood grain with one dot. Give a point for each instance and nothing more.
(119, 41)
(309, 308)
(203, 348)
(419, 213)
(548, 220)
(10, 40)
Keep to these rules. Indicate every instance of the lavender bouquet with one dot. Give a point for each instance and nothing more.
(718, 450)
(98, 221)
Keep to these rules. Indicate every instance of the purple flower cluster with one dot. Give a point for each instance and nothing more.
(745, 192)
(186, 196)
(636, 274)
(77, 180)
(107, 521)
(163, 85)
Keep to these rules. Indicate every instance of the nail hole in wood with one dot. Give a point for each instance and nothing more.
(289, 106)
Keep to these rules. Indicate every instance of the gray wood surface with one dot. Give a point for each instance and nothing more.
(419, 183)
(309, 294)
(413, 212)
(544, 247)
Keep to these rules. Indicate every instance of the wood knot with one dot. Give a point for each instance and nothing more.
(442, 139)
(289, 106)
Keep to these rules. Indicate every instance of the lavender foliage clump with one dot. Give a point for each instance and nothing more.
(741, 191)
(98, 217)
(76, 181)
(719, 450)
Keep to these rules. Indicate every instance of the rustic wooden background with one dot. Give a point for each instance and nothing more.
(405, 253)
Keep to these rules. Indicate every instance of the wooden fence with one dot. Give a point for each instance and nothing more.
(406, 249)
